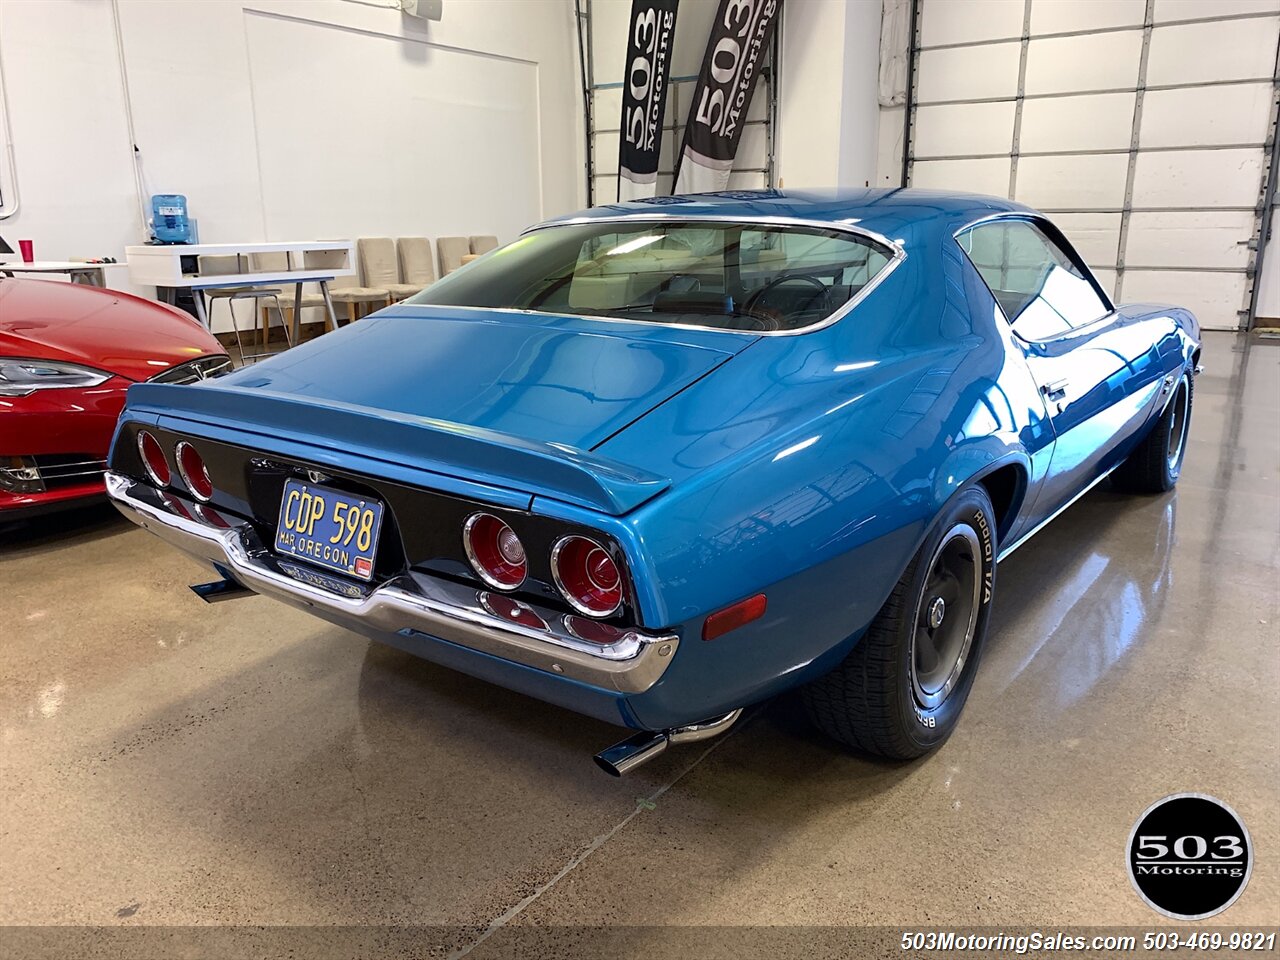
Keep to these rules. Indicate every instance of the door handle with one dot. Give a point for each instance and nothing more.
(1057, 390)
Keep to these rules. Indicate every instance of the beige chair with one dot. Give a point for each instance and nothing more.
(348, 290)
(484, 244)
(451, 250)
(279, 263)
(230, 266)
(416, 266)
(380, 269)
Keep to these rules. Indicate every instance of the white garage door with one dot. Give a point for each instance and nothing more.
(1142, 126)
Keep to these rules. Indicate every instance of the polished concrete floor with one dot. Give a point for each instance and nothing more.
(163, 762)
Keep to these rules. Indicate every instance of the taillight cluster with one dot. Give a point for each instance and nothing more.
(191, 468)
(584, 572)
(587, 576)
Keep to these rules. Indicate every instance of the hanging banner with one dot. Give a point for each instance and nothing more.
(644, 96)
(738, 43)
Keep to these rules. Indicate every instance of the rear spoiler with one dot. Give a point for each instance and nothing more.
(454, 450)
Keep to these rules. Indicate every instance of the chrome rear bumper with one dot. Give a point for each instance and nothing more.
(411, 603)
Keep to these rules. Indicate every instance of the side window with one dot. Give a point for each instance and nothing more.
(1041, 291)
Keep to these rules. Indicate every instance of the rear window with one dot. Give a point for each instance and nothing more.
(734, 276)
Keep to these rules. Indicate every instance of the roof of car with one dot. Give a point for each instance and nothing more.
(898, 214)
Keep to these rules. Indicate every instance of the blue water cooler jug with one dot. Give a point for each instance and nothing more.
(169, 220)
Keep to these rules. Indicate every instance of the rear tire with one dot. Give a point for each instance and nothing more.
(1156, 463)
(899, 692)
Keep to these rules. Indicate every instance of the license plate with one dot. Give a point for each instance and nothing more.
(330, 528)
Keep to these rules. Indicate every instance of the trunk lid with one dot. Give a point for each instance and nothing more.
(566, 381)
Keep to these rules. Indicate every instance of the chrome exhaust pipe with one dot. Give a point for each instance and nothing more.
(219, 590)
(624, 757)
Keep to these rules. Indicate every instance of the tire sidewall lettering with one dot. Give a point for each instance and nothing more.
(933, 725)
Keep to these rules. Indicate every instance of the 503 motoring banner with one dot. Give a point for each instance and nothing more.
(644, 95)
(738, 42)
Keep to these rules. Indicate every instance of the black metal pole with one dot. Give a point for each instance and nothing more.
(587, 117)
(911, 94)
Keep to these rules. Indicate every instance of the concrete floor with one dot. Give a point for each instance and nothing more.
(169, 763)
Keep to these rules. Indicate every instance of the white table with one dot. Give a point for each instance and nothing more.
(90, 274)
(311, 261)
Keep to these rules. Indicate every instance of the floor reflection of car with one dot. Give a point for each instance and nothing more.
(659, 463)
(68, 353)
(1102, 608)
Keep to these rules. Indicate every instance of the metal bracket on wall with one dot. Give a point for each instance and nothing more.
(1015, 148)
(1266, 205)
(1126, 209)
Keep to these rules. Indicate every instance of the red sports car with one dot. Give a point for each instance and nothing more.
(68, 353)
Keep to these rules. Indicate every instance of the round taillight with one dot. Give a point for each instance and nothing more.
(587, 576)
(495, 552)
(153, 459)
(194, 474)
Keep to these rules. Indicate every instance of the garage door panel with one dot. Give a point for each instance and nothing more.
(961, 129)
(1096, 236)
(1072, 183)
(748, 181)
(973, 176)
(606, 158)
(1215, 298)
(968, 73)
(1107, 280)
(1198, 178)
(606, 106)
(1195, 9)
(1098, 122)
(753, 149)
(1065, 16)
(1224, 50)
(1189, 239)
(1239, 113)
(944, 21)
(1104, 61)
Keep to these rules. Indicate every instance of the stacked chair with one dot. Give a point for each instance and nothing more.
(349, 291)
(451, 251)
(416, 266)
(380, 269)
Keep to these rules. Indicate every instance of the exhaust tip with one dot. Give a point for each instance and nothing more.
(606, 766)
(220, 590)
(623, 757)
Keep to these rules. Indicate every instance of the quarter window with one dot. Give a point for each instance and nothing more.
(1041, 290)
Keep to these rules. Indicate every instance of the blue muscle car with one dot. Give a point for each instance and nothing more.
(659, 461)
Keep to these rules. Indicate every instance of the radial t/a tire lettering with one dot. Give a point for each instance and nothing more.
(899, 692)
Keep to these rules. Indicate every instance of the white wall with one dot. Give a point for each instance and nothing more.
(828, 129)
(289, 119)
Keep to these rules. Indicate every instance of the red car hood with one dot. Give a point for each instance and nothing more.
(104, 329)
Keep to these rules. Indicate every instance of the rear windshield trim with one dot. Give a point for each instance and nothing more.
(897, 255)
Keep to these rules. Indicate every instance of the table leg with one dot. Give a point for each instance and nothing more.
(328, 304)
(296, 323)
(201, 313)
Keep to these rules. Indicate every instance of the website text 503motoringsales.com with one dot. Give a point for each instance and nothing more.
(1032, 942)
